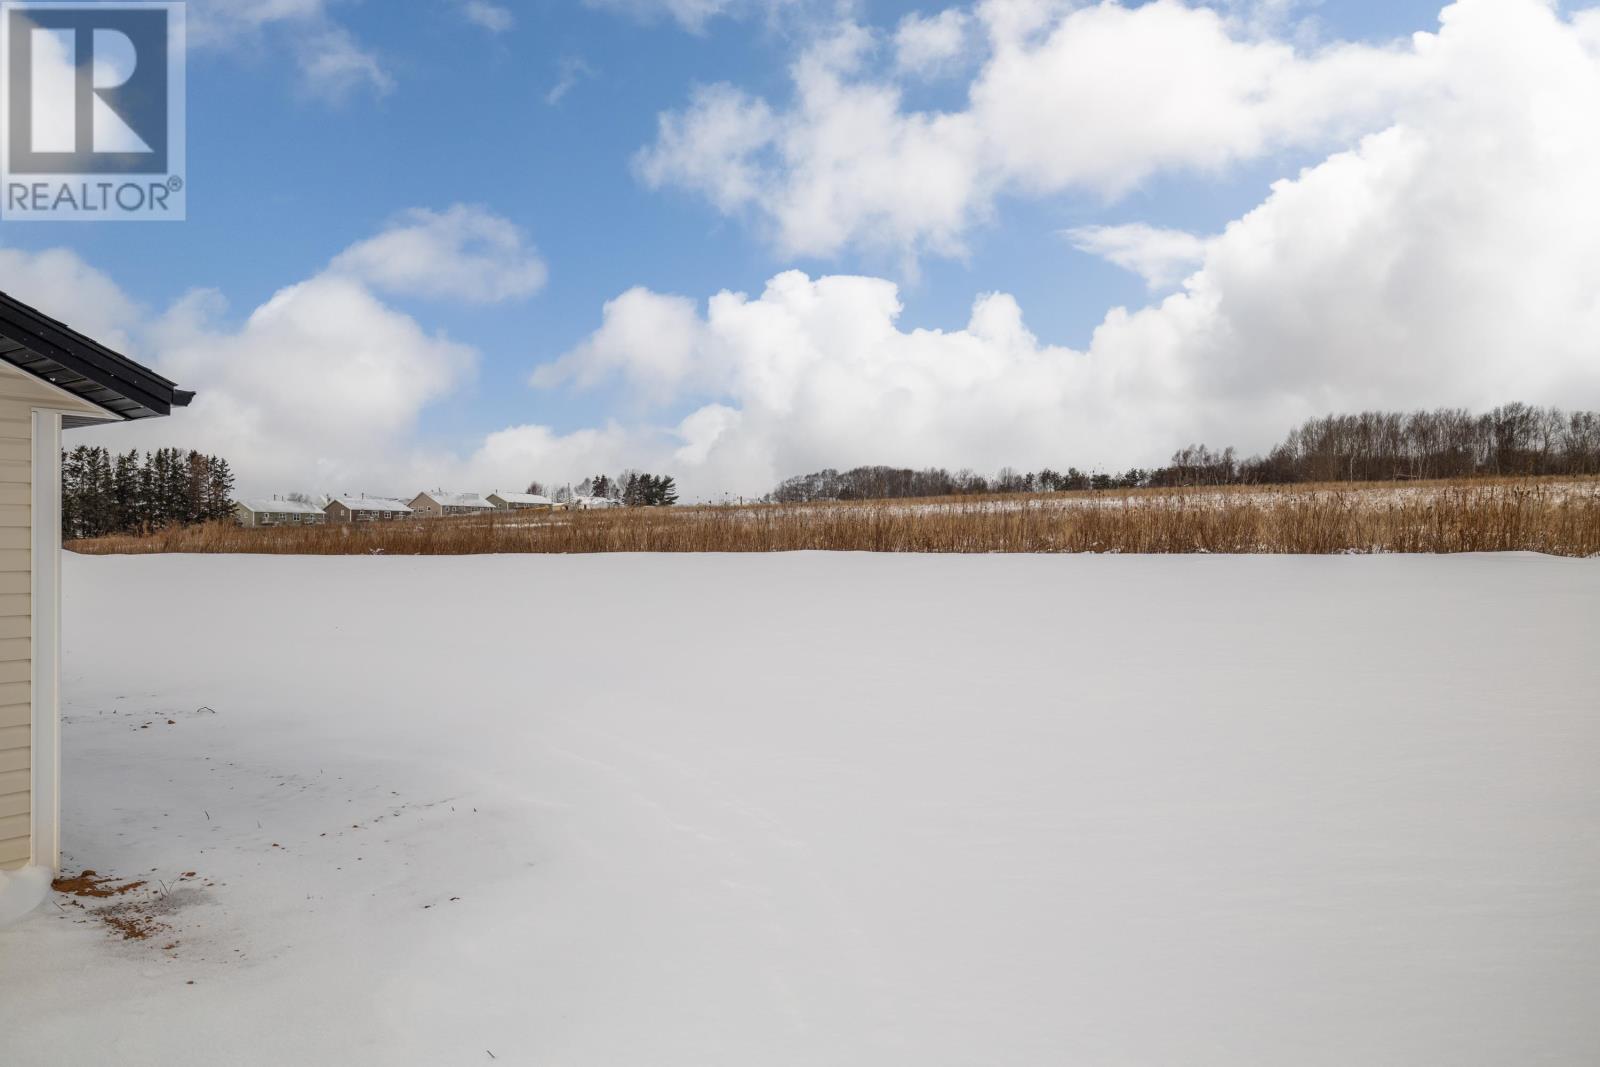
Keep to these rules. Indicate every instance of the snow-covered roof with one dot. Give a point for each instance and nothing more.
(280, 507)
(372, 503)
(595, 502)
(521, 498)
(455, 500)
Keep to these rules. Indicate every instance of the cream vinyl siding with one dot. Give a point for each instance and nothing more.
(19, 394)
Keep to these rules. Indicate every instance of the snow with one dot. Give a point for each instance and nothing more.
(281, 507)
(374, 503)
(826, 809)
(456, 500)
(525, 499)
(1370, 498)
(21, 892)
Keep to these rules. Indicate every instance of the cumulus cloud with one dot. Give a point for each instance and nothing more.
(813, 370)
(463, 253)
(1451, 258)
(320, 387)
(332, 63)
(1160, 256)
(649, 339)
(712, 147)
(1067, 98)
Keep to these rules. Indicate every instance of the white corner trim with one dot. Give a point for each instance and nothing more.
(46, 645)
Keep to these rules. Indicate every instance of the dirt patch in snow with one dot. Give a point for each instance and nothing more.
(91, 883)
(135, 909)
(136, 927)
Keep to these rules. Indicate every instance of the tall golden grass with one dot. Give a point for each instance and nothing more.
(1559, 517)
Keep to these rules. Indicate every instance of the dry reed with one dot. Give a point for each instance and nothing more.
(1559, 517)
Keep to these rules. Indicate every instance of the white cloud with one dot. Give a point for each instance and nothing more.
(59, 282)
(692, 15)
(571, 70)
(712, 147)
(319, 386)
(649, 339)
(493, 17)
(695, 15)
(926, 44)
(215, 22)
(1275, 17)
(1087, 98)
(1160, 256)
(462, 253)
(335, 65)
(332, 63)
(818, 372)
(1450, 259)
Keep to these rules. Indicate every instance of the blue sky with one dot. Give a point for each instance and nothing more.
(285, 172)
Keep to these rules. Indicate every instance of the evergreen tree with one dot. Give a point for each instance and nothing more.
(72, 492)
(219, 490)
(126, 488)
(104, 494)
(98, 502)
(197, 478)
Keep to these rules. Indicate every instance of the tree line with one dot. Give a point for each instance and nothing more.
(105, 493)
(1514, 439)
(634, 489)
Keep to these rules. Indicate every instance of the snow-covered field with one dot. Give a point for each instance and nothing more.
(806, 809)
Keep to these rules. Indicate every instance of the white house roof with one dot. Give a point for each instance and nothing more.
(372, 503)
(521, 498)
(280, 507)
(456, 500)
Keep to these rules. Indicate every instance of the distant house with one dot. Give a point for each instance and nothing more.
(589, 503)
(437, 502)
(277, 513)
(366, 509)
(519, 501)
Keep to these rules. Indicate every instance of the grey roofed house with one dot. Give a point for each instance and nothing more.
(277, 512)
(51, 378)
(437, 502)
(366, 509)
(518, 501)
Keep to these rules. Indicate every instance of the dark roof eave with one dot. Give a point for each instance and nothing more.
(54, 352)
